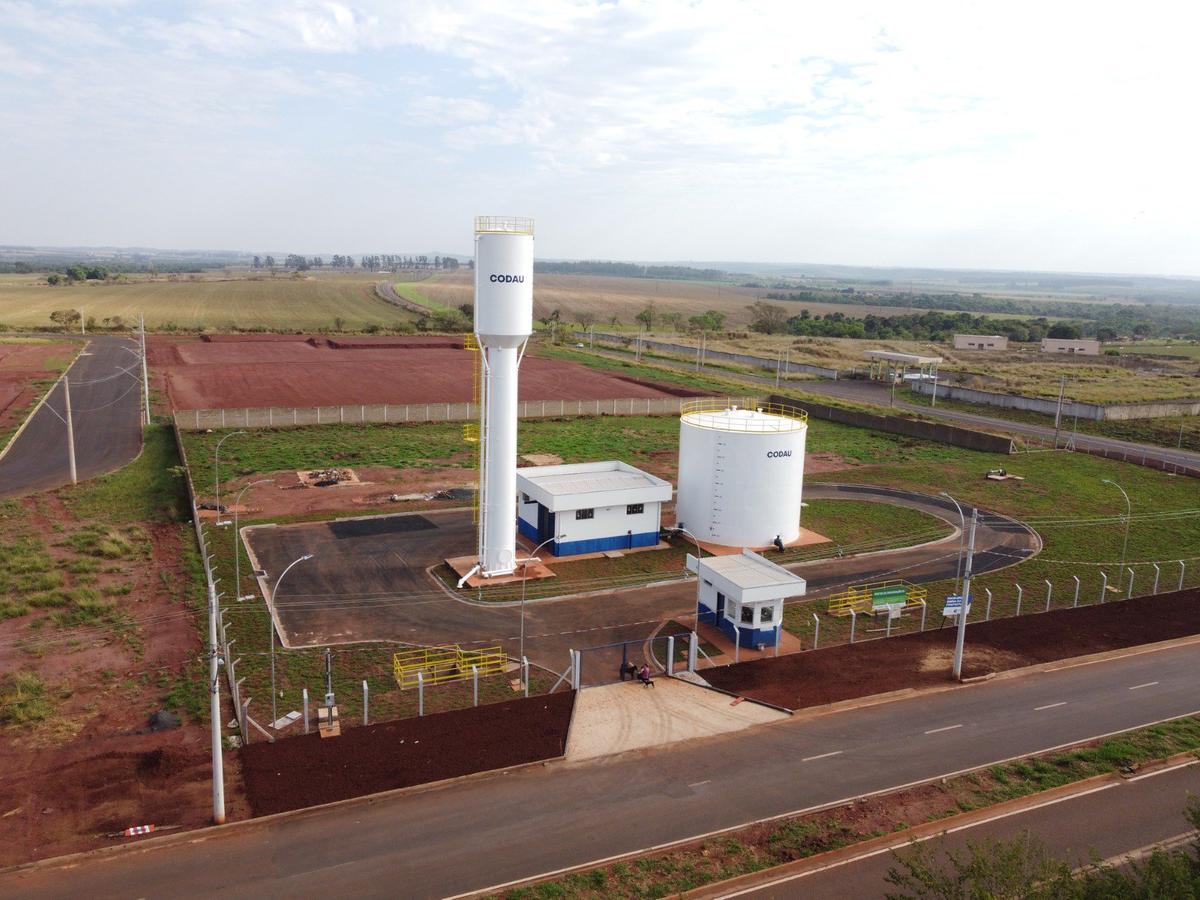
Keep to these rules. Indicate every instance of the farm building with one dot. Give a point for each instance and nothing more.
(590, 507)
(980, 342)
(1076, 347)
(743, 595)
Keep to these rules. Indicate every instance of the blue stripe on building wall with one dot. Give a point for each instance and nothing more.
(599, 545)
(527, 530)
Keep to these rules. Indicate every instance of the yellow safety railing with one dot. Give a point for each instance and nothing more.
(438, 665)
(709, 412)
(859, 597)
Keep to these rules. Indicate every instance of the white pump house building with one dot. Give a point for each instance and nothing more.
(590, 507)
(743, 595)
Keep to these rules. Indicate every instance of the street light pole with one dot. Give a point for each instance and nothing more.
(525, 577)
(961, 534)
(271, 626)
(960, 639)
(1128, 514)
(217, 473)
(237, 546)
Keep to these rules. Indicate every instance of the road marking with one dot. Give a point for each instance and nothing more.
(1174, 768)
(1147, 684)
(945, 728)
(1050, 706)
(821, 756)
(698, 783)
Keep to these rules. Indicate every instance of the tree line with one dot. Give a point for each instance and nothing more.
(628, 270)
(377, 262)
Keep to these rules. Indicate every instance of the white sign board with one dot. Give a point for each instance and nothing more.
(894, 610)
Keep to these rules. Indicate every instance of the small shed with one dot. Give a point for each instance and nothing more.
(743, 595)
(590, 507)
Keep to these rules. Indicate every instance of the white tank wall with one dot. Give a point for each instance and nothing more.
(503, 321)
(740, 488)
(503, 288)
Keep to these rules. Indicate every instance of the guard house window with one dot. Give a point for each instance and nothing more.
(767, 614)
(747, 615)
(525, 498)
(585, 514)
(635, 509)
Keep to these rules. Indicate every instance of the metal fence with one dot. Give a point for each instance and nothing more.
(391, 414)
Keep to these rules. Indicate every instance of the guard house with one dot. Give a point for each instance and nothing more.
(594, 506)
(743, 595)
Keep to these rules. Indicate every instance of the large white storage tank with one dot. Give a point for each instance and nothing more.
(741, 472)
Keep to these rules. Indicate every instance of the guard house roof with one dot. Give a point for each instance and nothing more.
(910, 359)
(748, 577)
(588, 485)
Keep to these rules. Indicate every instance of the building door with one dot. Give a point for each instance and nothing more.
(545, 524)
(720, 606)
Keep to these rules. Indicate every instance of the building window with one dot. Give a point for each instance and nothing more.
(525, 498)
(767, 614)
(747, 615)
(635, 509)
(585, 514)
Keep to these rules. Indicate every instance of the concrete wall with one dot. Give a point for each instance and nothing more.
(1071, 347)
(745, 359)
(1071, 408)
(929, 431)
(980, 342)
(610, 528)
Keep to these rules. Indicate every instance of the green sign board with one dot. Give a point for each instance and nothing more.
(888, 596)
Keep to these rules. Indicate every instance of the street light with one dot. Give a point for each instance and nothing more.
(237, 548)
(1128, 514)
(271, 626)
(217, 473)
(699, 554)
(961, 534)
(961, 637)
(524, 578)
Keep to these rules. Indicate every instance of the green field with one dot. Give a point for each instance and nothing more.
(281, 303)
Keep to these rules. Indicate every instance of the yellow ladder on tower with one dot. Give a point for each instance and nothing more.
(471, 430)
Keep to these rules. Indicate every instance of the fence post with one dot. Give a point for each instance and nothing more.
(671, 654)
(366, 701)
(1181, 570)
(420, 693)
(525, 673)
(778, 635)
(475, 684)
(1103, 586)
(888, 632)
(853, 623)
(987, 613)
(737, 643)
(692, 644)
(1129, 591)
(1154, 590)
(1075, 602)
(816, 630)
(1020, 594)
(1049, 588)
(304, 695)
(924, 609)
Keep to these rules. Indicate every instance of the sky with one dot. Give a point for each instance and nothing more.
(1052, 136)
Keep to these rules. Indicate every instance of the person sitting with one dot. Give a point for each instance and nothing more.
(645, 676)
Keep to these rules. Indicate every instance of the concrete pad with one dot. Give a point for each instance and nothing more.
(629, 716)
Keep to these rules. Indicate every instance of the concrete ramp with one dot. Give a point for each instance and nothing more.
(629, 716)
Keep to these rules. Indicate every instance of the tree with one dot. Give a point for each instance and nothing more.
(67, 318)
(646, 316)
(767, 318)
(270, 261)
(257, 264)
(673, 320)
(586, 319)
(76, 273)
(53, 278)
(338, 323)
(711, 320)
(1063, 331)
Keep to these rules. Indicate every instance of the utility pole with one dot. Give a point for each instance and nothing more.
(966, 599)
(214, 714)
(1062, 387)
(145, 370)
(70, 429)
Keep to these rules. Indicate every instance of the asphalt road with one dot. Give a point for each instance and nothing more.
(106, 412)
(367, 581)
(878, 394)
(1109, 822)
(492, 830)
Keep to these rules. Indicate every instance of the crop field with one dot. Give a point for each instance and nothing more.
(605, 298)
(284, 303)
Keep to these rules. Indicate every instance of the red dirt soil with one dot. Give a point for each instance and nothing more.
(849, 671)
(216, 374)
(307, 770)
(20, 366)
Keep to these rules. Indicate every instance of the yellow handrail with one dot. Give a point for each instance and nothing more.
(709, 412)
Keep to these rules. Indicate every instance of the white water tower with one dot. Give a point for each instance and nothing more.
(503, 323)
